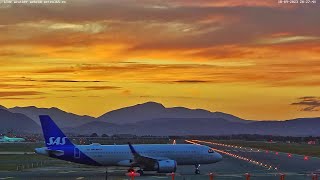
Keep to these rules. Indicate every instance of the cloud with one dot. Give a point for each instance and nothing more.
(67, 90)
(171, 97)
(44, 25)
(68, 97)
(92, 28)
(56, 70)
(21, 98)
(229, 3)
(211, 23)
(4, 94)
(191, 81)
(195, 38)
(68, 81)
(309, 103)
(17, 86)
(101, 87)
(126, 92)
(287, 39)
(269, 74)
(19, 54)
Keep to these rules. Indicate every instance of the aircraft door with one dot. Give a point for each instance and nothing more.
(76, 153)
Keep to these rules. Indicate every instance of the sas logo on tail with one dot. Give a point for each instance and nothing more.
(57, 141)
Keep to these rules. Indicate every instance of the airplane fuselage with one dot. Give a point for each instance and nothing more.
(120, 155)
(8, 139)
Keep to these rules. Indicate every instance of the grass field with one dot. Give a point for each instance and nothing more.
(19, 147)
(27, 161)
(302, 149)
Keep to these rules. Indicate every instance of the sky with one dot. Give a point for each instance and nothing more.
(258, 60)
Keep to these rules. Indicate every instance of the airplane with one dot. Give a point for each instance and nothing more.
(162, 158)
(5, 139)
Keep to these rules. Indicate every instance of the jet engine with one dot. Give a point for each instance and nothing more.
(166, 166)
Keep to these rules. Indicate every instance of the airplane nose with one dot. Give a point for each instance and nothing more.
(218, 157)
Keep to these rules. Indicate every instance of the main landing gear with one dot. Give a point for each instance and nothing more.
(106, 174)
(197, 170)
(131, 170)
(140, 171)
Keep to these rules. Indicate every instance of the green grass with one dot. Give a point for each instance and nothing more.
(20, 147)
(10, 162)
(302, 149)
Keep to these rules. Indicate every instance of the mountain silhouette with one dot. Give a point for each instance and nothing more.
(153, 110)
(153, 118)
(17, 122)
(62, 118)
(2, 107)
(206, 126)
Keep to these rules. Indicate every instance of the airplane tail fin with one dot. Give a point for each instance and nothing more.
(52, 133)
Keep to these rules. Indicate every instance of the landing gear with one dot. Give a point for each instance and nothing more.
(130, 170)
(140, 171)
(197, 170)
(106, 174)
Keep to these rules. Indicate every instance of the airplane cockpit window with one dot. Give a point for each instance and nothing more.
(210, 151)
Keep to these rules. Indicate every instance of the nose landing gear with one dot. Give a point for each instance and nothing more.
(140, 171)
(197, 170)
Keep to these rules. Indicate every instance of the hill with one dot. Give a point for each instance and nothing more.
(16, 122)
(62, 118)
(153, 110)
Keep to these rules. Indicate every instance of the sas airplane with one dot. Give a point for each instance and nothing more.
(162, 158)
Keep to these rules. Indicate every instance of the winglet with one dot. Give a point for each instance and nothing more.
(133, 151)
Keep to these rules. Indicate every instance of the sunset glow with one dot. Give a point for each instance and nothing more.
(256, 60)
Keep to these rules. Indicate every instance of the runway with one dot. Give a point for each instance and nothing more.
(292, 165)
(236, 162)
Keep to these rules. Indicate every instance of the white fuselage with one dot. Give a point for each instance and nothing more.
(120, 155)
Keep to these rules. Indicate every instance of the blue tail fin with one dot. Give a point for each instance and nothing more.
(52, 134)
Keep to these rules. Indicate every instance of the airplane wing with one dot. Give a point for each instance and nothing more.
(144, 161)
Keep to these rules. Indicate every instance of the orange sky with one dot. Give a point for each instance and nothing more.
(256, 60)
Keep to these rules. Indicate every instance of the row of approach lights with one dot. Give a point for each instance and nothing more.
(255, 162)
(235, 155)
(240, 147)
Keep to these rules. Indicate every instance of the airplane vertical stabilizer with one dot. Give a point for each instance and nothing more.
(52, 133)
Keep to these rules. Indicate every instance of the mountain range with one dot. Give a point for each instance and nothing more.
(152, 118)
